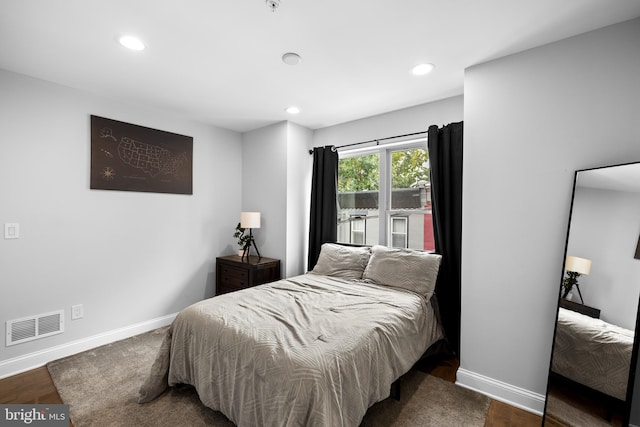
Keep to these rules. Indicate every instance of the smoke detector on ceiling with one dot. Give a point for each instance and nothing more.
(272, 4)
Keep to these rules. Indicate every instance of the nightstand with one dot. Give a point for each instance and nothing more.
(233, 273)
(580, 308)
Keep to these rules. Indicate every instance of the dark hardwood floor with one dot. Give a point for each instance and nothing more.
(499, 414)
(36, 387)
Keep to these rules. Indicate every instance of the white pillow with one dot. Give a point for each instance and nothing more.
(342, 261)
(405, 268)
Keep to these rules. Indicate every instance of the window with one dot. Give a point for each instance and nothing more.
(358, 229)
(399, 232)
(384, 196)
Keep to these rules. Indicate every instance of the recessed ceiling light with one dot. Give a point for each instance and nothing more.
(291, 58)
(422, 69)
(131, 42)
(292, 110)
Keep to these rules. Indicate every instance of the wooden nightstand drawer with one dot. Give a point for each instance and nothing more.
(234, 273)
(234, 276)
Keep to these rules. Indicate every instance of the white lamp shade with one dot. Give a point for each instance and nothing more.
(578, 265)
(250, 219)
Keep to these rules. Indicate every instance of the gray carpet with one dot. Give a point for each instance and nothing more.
(100, 385)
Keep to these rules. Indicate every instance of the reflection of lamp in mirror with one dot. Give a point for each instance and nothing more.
(575, 267)
(250, 220)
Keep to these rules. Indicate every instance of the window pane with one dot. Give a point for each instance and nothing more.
(399, 232)
(411, 195)
(406, 194)
(358, 184)
(358, 230)
(398, 241)
(398, 225)
(409, 179)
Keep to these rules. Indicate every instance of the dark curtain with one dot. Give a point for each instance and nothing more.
(323, 221)
(445, 159)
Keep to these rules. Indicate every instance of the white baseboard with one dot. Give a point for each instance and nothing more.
(498, 390)
(40, 358)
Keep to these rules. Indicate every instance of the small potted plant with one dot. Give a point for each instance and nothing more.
(244, 240)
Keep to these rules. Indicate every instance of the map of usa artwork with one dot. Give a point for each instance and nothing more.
(136, 158)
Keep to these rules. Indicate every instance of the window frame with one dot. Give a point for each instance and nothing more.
(384, 152)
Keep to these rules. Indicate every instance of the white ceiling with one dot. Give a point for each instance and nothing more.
(219, 61)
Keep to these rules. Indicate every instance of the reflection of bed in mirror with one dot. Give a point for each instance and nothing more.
(594, 353)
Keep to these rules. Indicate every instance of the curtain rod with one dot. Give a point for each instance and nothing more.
(377, 141)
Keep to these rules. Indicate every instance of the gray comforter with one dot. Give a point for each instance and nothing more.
(311, 350)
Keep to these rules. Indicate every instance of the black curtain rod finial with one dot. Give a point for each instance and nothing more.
(333, 148)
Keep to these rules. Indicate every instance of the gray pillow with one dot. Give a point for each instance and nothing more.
(342, 261)
(405, 268)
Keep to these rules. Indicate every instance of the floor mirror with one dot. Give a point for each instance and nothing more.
(595, 346)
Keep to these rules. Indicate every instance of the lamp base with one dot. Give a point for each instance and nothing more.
(569, 283)
(579, 293)
(247, 248)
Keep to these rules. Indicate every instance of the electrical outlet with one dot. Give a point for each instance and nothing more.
(77, 312)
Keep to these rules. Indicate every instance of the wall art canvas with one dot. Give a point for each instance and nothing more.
(136, 158)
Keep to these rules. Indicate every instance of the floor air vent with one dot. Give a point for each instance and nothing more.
(34, 327)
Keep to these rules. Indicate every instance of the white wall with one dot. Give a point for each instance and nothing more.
(126, 256)
(604, 229)
(400, 122)
(531, 119)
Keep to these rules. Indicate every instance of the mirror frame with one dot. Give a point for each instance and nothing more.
(634, 352)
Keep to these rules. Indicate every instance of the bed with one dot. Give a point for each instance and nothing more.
(592, 353)
(315, 350)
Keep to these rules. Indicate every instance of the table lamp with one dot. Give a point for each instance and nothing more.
(250, 220)
(575, 266)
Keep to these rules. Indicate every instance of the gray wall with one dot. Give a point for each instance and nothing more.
(264, 186)
(126, 256)
(531, 119)
(299, 168)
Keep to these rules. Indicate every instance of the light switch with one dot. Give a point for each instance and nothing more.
(12, 230)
